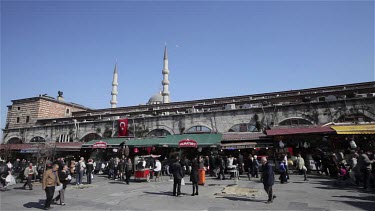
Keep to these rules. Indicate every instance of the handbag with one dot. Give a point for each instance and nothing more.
(58, 188)
(182, 181)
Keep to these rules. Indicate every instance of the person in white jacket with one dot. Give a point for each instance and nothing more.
(300, 163)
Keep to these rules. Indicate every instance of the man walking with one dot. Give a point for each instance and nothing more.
(50, 180)
(80, 168)
(29, 173)
(268, 179)
(178, 174)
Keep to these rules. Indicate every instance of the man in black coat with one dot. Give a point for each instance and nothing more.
(178, 174)
(4, 171)
(240, 163)
(268, 179)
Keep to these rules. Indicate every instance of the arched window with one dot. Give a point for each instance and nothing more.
(158, 133)
(354, 118)
(64, 138)
(294, 122)
(244, 127)
(90, 137)
(15, 140)
(37, 139)
(198, 129)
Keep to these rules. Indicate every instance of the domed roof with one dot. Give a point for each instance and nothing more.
(156, 99)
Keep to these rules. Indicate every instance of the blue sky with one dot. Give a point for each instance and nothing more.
(216, 48)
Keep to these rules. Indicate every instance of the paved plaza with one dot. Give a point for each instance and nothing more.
(319, 193)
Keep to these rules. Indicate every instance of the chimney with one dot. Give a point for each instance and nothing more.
(60, 96)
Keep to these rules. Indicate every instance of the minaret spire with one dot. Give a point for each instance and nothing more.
(114, 88)
(165, 81)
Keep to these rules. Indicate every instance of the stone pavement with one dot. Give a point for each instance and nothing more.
(319, 193)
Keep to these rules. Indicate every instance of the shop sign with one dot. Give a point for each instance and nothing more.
(100, 145)
(29, 151)
(188, 143)
(238, 146)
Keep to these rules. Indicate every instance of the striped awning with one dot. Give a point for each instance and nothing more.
(299, 131)
(354, 129)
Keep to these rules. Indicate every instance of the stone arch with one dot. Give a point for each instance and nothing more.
(295, 121)
(199, 128)
(170, 130)
(235, 122)
(14, 140)
(243, 127)
(37, 139)
(89, 136)
(158, 132)
(354, 117)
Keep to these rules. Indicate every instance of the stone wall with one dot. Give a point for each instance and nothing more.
(317, 113)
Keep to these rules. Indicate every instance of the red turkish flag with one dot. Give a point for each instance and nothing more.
(123, 127)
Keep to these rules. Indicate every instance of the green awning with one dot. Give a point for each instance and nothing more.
(111, 142)
(203, 140)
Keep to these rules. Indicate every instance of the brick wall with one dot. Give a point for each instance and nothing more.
(36, 109)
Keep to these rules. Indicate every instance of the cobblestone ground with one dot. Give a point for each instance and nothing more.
(319, 193)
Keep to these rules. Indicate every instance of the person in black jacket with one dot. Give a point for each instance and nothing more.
(4, 172)
(128, 170)
(194, 176)
(121, 169)
(178, 174)
(221, 164)
(240, 163)
(64, 179)
(268, 179)
(89, 170)
(250, 166)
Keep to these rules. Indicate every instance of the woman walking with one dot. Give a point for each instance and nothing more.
(64, 179)
(194, 176)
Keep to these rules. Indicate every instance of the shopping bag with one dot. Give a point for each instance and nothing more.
(10, 180)
(92, 176)
(182, 181)
(58, 188)
(69, 177)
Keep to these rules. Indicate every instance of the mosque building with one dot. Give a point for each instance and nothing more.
(283, 121)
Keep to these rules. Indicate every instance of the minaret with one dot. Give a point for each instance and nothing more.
(165, 81)
(114, 88)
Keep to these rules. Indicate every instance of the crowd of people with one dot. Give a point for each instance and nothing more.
(356, 167)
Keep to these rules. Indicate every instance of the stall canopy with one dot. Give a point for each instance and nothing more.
(298, 131)
(243, 140)
(354, 129)
(202, 140)
(110, 143)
